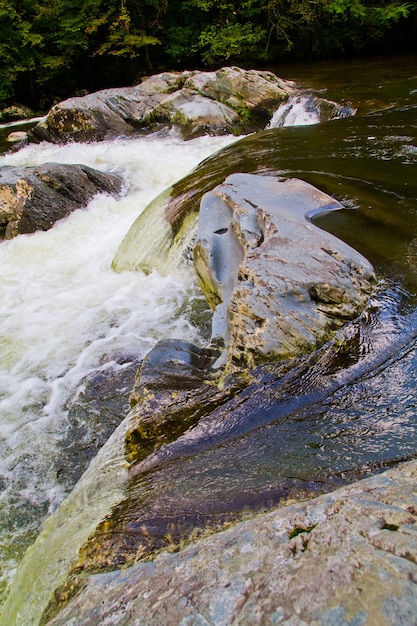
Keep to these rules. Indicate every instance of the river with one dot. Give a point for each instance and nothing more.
(65, 315)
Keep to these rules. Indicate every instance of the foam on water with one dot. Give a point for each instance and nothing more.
(297, 111)
(306, 109)
(64, 314)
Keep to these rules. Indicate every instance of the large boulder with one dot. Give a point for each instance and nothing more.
(278, 285)
(34, 198)
(349, 557)
(230, 100)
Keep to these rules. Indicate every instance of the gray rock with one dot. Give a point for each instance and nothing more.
(242, 89)
(34, 198)
(278, 285)
(349, 557)
(196, 114)
(229, 100)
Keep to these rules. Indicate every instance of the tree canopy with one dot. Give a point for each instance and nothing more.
(54, 49)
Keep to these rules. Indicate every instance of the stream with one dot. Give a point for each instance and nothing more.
(66, 317)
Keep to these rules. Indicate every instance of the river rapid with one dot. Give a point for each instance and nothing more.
(66, 316)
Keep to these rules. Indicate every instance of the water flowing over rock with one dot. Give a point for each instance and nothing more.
(306, 109)
(278, 285)
(230, 100)
(34, 198)
(343, 558)
(253, 241)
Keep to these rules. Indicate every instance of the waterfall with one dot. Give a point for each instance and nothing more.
(306, 109)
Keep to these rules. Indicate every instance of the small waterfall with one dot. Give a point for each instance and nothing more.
(307, 109)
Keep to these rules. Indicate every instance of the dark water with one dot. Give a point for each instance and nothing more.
(350, 409)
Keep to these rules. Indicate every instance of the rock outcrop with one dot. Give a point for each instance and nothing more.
(278, 285)
(230, 100)
(34, 198)
(349, 557)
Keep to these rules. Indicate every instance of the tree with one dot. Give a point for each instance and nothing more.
(54, 48)
(217, 31)
(18, 44)
(325, 27)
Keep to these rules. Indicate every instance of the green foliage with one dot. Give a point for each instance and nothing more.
(230, 42)
(123, 40)
(328, 26)
(55, 47)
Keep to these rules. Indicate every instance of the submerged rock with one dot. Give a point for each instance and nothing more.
(279, 286)
(34, 198)
(230, 100)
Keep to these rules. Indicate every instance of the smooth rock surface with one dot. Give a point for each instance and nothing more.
(34, 198)
(226, 101)
(278, 285)
(346, 558)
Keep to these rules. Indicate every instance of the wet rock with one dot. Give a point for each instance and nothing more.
(173, 389)
(278, 285)
(34, 198)
(182, 405)
(346, 557)
(94, 410)
(229, 100)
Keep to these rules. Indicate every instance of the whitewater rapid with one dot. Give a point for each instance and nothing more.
(65, 314)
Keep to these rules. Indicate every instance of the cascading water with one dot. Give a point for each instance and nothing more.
(65, 314)
(306, 109)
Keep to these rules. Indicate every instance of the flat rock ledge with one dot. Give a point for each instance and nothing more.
(345, 558)
(34, 198)
(230, 100)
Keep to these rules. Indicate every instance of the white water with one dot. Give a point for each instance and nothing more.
(305, 109)
(64, 314)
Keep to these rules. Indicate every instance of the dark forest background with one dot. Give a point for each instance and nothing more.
(50, 50)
